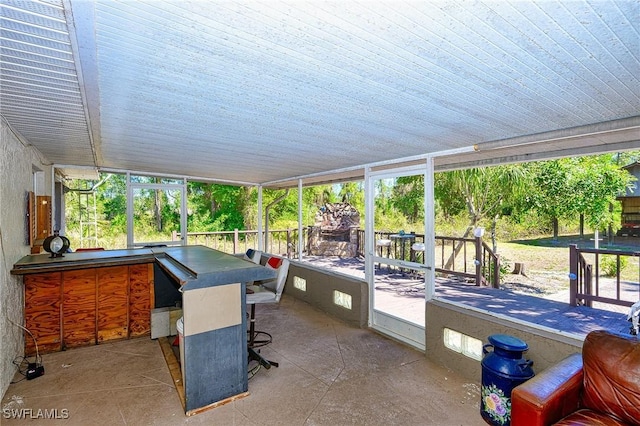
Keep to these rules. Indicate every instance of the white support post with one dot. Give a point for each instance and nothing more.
(369, 238)
(429, 230)
(129, 212)
(300, 228)
(260, 230)
(183, 214)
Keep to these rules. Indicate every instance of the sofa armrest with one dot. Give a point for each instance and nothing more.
(549, 396)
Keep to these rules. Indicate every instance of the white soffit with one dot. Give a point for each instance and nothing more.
(269, 91)
(40, 93)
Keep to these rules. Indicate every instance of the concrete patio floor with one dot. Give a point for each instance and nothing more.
(330, 374)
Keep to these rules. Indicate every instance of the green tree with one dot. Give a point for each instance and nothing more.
(200, 207)
(597, 182)
(227, 205)
(408, 197)
(112, 196)
(448, 199)
(568, 187)
(353, 193)
(313, 197)
(551, 192)
(486, 192)
(387, 217)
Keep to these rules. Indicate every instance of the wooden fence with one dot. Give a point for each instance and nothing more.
(469, 258)
(281, 242)
(588, 283)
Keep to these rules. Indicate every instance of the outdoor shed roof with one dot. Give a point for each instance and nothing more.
(268, 92)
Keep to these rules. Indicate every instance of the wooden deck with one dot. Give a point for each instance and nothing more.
(405, 298)
(556, 315)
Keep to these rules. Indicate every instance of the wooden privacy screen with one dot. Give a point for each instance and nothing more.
(87, 306)
(31, 218)
(43, 217)
(38, 220)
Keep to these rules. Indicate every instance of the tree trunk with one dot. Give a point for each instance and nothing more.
(494, 242)
(520, 269)
(610, 227)
(458, 247)
(267, 212)
(157, 210)
(555, 229)
(474, 221)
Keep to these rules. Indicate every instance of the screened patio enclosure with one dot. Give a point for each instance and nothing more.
(283, 95)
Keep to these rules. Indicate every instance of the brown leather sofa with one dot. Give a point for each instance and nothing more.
(601, 386)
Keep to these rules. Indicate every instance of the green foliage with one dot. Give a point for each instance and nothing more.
(598, 182)
(550, 190)
(519, 200)
(227, 204)
(353, 193)
(451, 225)
(569, 187)
(609, 264)
(408, 197)
(484, 191)
(449, 201)
(388, 216)
(505, 269)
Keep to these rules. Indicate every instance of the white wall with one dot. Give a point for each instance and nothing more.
(17, 163)
(546, 347)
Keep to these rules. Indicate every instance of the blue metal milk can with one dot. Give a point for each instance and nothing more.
(503, 369)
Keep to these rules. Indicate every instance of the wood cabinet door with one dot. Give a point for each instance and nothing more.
(79, 308)
(113, 302)
(43, 214)
(87, 306)
(42, 295)
(140, 299)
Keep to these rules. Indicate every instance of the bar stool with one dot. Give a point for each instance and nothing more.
(416, 249)
(381, 244)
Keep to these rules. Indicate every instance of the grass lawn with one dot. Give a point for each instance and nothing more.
(547, 261)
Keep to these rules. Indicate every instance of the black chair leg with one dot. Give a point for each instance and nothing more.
(252, 342)
(252, 326)
(255, 356)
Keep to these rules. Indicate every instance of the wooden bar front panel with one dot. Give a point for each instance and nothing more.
(87, 306)
(79, 308)
(113, 298)
(140, 299)
(42, 319)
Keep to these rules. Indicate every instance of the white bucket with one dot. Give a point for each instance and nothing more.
(180, 328)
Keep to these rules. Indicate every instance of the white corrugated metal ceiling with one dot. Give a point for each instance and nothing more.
(269, 91)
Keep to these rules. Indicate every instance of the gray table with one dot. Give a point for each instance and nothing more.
(402, 240)
(215, 329)
(213, 302)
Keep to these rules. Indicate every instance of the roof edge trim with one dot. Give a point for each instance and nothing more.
(571, 132)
